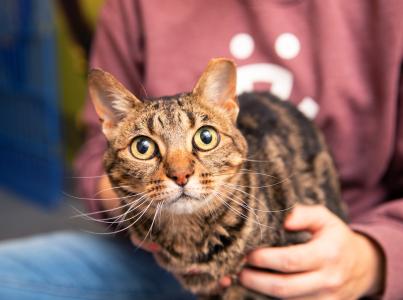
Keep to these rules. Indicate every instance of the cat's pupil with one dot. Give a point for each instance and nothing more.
(143, 146)
(206, 136)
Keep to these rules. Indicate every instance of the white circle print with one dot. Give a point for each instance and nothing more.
(287, 46)
(242, 46)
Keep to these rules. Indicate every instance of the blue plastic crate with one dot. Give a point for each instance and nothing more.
(30, 141)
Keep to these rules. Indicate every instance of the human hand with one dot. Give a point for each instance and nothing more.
(337, 263)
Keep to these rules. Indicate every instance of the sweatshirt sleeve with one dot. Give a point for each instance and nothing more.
(384, 224)
(117, 48)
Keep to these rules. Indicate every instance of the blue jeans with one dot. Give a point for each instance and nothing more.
(71, 265)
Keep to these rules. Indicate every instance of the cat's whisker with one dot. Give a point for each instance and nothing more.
(229, 205)
(118, 221)
(256, 209)
(151, 226)
(242, 172)
(250, 195)
(127, 227)
(89, 218)
(257, 187)
(251, 159)
(257, 160)
(242, 203)
(225, 185)
(219, 174)
(107, 210)
(83, 214)
(162, 205)
(252, 155)
(111, 188)
(246, 218)
(107, 220)
(209, 210)
(245, 205)
(137, 219)
(143, 88)
(100, 199)
(122, 217)
(240, 213)
(248, 171)
(261, 186)
(132, 208)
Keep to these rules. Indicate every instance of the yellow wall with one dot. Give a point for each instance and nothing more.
(72, 77)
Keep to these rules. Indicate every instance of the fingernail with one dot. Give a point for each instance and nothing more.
(225, 282)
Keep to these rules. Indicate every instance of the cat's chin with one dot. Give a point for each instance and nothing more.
(185, 204)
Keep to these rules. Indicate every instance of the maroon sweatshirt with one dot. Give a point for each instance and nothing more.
(340, 61)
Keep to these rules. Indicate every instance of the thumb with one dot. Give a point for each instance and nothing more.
(308, 217)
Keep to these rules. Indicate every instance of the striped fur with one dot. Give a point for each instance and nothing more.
(271, 159)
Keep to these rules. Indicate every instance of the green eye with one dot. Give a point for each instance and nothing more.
(143, 148)
(206, 138)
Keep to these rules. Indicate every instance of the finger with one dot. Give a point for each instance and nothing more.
(289, 259)
(309, 217)
(281, 285)
(150, 247)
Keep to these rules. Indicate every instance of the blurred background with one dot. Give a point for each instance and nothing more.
(44, 46)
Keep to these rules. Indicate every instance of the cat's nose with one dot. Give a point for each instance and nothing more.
(181, 177)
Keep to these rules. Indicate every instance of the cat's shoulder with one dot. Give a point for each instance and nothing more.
(264, 115)
(264, 108)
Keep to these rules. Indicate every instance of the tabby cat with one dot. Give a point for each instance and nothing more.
(206, 183)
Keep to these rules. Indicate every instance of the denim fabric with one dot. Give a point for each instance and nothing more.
(69, 265)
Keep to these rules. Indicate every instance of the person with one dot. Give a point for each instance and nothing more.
(338, 61)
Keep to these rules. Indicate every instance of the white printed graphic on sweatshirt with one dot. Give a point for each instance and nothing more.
(280, 79)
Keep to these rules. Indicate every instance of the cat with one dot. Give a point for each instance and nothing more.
(209, 176)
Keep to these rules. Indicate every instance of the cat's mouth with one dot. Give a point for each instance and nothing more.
(183, 196)
(184, 203)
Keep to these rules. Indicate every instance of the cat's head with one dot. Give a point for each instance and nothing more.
(177, 152)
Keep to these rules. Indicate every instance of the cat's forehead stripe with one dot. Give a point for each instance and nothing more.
(192, 118)
(150, 124)
(160, 121)
(172, 116)
(179, 117)
(172, 111)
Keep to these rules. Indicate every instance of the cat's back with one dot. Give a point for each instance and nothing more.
(285, 144)
(263, 115)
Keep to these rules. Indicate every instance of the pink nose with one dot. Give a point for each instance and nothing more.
(181, 177)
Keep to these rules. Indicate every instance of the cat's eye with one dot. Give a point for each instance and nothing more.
(143, 148)
(206, 138)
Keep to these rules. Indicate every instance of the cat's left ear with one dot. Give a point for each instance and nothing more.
(112, 101)
(217, 85)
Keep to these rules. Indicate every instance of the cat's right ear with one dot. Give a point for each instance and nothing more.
(217, 85)
(112, 101)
